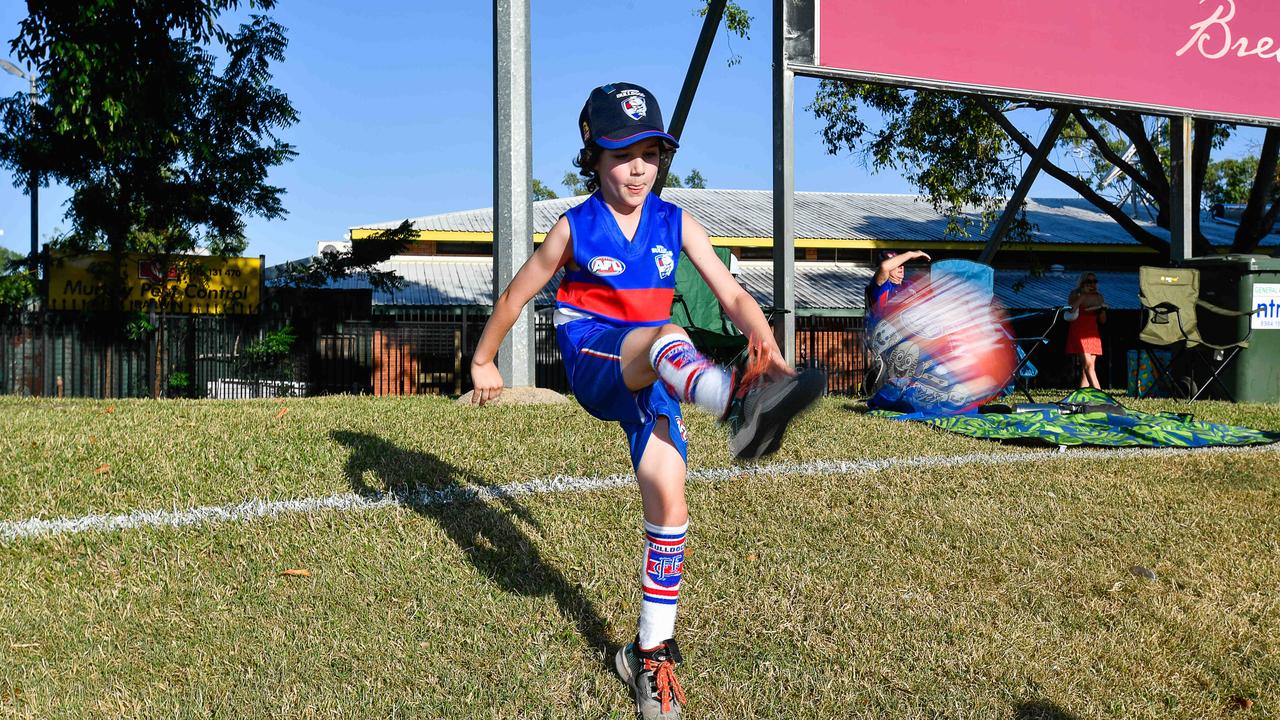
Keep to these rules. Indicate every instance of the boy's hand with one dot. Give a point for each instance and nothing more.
(766, 359)
(487, 381)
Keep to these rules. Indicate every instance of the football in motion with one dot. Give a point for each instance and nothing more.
(942, 348)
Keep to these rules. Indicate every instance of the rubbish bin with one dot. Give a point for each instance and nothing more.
(1239, 282)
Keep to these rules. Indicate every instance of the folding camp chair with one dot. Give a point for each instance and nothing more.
(696, 309)
(1027, 345)
(1171, 303)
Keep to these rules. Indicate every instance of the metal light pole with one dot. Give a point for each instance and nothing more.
(33, 185)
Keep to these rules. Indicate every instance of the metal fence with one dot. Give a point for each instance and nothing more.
(57, 354)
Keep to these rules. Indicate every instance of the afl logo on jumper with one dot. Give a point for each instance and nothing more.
(605, 266)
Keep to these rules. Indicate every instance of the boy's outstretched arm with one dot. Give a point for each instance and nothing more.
(536, 272)
(741, 308)
(888, 265)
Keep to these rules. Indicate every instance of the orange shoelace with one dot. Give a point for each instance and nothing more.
(664, 674)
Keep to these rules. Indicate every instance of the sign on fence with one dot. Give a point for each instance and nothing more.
(195, 284)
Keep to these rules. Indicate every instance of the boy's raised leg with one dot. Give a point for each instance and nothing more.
(763, 407)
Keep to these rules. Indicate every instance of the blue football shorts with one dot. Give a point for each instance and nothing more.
(592, 353)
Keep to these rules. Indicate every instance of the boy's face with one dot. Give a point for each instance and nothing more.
(627, 174)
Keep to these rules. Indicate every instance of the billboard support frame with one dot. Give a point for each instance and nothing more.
(996, 238)
(1045, 98)
(1181, 221)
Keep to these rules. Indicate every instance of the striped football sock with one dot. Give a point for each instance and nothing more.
(660, 582)
(689, 375)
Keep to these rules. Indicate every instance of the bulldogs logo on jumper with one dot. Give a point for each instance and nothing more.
(665, 568)
(605, 266)
(635, 107)
(665, 261)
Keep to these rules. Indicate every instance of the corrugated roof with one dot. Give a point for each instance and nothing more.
(819, 286)
(436, 281)
(840, 286)
(843, 216)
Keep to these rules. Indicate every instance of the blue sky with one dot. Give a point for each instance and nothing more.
(395, 99)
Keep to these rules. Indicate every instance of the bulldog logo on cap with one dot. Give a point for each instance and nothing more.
(634, 107)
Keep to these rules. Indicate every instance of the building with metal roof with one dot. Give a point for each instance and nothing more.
(846, 228)
(833, 226)
(822, 288)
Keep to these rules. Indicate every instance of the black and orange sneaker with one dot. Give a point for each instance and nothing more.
(761, 409)
(652, 678)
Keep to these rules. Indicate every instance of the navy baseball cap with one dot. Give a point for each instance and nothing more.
(621, 114)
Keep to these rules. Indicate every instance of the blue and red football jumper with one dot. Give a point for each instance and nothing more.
(619, 285)
(624, 281)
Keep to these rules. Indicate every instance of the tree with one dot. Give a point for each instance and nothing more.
(964, 151)
(574, 183)
(736, 21)
(1230, 181)
(361, 259)
(542, 192)
(162, 152)
(16, 286)
(694, 180)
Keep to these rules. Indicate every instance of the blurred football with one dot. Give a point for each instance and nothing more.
(940, 347)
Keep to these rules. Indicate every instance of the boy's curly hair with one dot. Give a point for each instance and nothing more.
(586, 162)
(589, 156)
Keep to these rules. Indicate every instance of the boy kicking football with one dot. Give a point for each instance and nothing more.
(627, 363)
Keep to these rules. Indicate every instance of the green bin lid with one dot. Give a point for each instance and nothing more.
(1247, 263)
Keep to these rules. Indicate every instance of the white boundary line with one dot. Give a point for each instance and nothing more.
(253, 509)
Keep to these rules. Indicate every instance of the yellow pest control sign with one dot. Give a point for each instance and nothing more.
(195, 284)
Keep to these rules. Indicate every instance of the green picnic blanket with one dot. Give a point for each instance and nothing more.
(1091, 417)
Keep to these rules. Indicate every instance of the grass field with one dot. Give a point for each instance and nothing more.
(964, 579)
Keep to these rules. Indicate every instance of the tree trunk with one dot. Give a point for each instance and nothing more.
(1136, 231)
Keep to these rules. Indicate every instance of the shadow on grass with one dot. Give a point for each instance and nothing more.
(1040, 710)
(486, 531)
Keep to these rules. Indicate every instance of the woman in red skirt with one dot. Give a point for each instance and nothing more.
(1088, 311)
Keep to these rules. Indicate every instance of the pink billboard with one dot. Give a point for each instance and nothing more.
(1215, 58)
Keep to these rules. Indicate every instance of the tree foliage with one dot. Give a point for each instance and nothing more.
(574, 183)
(542, 192)
(964, 151)
(946, 145)
(1230, 181)
(694, 180)
(736, 20)
(16, 286)
(362, 259)
(162, 123)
